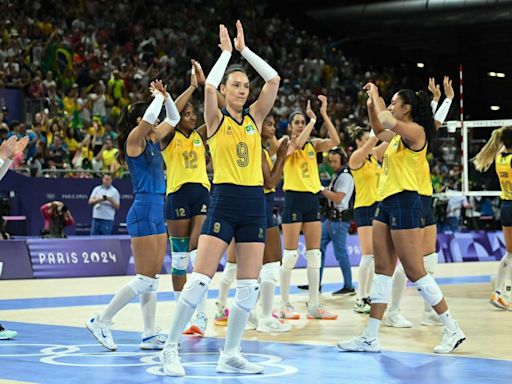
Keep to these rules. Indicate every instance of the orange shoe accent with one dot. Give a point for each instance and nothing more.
(498, 301)
(193, 330)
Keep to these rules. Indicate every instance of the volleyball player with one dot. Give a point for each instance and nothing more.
(364, 164)
(237, 203)
(394, 318)
(499, 150)
(188, 189)
(397, 224)
(301, 211)
(269, 274)
(139, 147)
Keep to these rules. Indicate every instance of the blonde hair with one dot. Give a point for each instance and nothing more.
(484, 159)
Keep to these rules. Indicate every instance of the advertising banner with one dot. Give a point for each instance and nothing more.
(14, 260)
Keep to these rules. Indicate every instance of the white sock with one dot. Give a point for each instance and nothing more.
(177, 295)
(182, 315)
(314, 284)
(504, 267)
(365, 274)
(228, 277)
(430, 262)
(201, 307)
(372, 328)
(397, 292)
(267, 290)
(448, 320)
(148, 307)
(121, 298)
(286, 276)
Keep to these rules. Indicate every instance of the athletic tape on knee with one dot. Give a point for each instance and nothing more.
(314, 258)
(246, 294)
(144, 284)
(290, 257)
(195, 289)
(193, 256)
(429, 290)
(179, 244)
(381, 289)
(270, 272)
(430, 262)
(179, 263)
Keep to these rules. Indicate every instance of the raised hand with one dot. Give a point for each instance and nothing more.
(448, 89)
(156, 87)
(20, 145)
(372, 91)
(193, 75)
(323, 107)
(309, 111)
(225, 41)
(240, 38)
(201, 79)
(7, 148)
(282, 150)
(434, 88)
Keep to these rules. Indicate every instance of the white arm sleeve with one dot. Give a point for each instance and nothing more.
(260, 65)
(442, 112)
(217, 72)
(433, 105)
(173, 116)
(154, 109)
(4, 167)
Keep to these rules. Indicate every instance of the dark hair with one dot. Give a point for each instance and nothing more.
(339, 151)
(296, 112)
(421, 111)
(126, 123)
(232, 69)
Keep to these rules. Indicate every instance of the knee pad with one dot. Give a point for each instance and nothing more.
(193, 256)
(144, 284)
(367, 261)
(290, 258)
(381, 289)
(179, 244)
(314, 258)
(246, 294)
(179, 263)
(270, 272)
(429, 290)
(430, 262)
(195, 289)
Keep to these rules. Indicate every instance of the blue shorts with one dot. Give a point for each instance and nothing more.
(146, 215)
(300, 207)
(506, 213)
(428, 211)
(363, 216)
(402, 210)
(269, 209)
(236, 211)
(190, 200)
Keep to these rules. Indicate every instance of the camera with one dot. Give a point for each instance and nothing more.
(104, 197)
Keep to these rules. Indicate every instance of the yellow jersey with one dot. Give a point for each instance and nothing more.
(504, 171)
(426, 188)
(236, 151)
(366, 181)
(402, 169)
(270, 165)
(109, 156)
(185, 161)
(301, 171)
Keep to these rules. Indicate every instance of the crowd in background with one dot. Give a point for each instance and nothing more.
(78, 66)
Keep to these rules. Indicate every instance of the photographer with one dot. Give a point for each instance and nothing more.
(56, 217)
(105, 199)
(335, 228)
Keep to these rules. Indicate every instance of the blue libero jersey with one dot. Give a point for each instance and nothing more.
(147, 170)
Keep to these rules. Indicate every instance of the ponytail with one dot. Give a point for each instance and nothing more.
(126, 123)
(421, 111)
(499, 137)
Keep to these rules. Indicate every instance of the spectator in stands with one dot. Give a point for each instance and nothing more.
(453, 211)
(107, 155)
(58, 155)
(105, 200)
(56, 218)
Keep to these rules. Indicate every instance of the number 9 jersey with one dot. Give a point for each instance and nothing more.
(236, 151)
(185, 161)
(504, 172)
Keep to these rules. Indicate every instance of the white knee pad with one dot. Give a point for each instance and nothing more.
(367, 261)
(144, 284)
(429, 290)
(195, 289)
(381, 289)
(270, 272)
(290, 257)
(430, 262)
(179, 263)
(314, 258)
(193, 256)
(246, 294)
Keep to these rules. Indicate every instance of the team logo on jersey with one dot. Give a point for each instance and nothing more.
(311, 154)
(228, 130)
(249, 129)
(178, 143)
(204, 208)
(197, 143)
